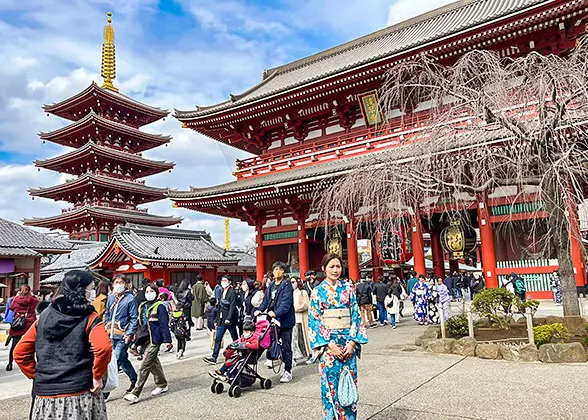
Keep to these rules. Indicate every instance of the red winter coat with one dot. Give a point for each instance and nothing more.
(24, 305)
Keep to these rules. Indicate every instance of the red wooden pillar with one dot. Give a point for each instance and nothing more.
(352, 257)
(576, 246)
(418, 246)
(37, 274)
(437, 251)
(259, 254)
(487, 243)
(302, 248)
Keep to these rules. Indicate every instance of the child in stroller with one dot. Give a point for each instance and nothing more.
(240, 367)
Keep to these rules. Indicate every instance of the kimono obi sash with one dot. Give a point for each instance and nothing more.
(337, 319)
(420, 292)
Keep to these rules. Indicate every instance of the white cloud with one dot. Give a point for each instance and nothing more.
(402, 10)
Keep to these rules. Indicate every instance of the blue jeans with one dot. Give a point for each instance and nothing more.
(382, 314)
(120, 350)
(220, 332)
(457, 292)
(392, 319)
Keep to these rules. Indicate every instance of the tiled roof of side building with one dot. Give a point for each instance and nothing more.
(167, 244)
(388, 42)
(18, 252)
(13, 235)
(77, 259)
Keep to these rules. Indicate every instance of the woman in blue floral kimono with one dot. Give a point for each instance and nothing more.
(419, 296)
(336, 331)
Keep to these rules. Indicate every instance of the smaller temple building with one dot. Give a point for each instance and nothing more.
(21, 250)
(141, 251)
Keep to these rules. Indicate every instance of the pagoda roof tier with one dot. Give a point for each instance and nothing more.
(95, 97)
(148, 244)
(89, 181)
(103, 130)
(101, 213)
(72, 161)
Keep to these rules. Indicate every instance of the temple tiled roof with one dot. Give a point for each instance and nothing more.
(19, 241)
(116, 215)
(60, 108)
(388, 42)
(76, 260)
(146, 243)
(91, 120)
(89, 179)
(18, 252)
(98, 150)
(57, 278)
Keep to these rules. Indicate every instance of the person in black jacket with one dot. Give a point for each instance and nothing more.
(185, 299)
(279, 304)
(364, 300)
(381, 290)
(155, 312)
(226, 318)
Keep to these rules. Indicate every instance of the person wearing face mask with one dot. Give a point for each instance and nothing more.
(153, 314)
(121, 323)
(279, 304)
(226, 318)
(66, 354)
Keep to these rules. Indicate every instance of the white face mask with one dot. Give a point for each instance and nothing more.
(224, 284)
(247, 335)
(92, 295)
(244, 287)
(118, 288)
(150, 296)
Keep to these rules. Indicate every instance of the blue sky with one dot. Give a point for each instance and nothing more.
(170, 53)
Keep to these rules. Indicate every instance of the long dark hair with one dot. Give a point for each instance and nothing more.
(103, 288)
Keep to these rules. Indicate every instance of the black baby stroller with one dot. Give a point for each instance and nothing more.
(243, 371)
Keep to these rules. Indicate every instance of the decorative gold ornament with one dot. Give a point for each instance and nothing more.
(108, 68)
(456, 240)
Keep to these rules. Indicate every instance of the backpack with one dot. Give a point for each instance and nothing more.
(520, 286)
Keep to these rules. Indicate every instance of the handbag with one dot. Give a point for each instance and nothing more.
(112, 380)
(19, 322)
(347, 390)
(274, 352)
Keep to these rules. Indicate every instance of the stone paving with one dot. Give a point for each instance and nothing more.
(397, 381)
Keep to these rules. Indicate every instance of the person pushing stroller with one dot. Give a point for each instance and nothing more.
(250, 341)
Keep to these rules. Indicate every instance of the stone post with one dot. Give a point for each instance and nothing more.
(530, 332)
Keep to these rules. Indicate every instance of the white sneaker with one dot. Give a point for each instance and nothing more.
(293, 363)
(132, 398)
(286, 377)
(158, 391)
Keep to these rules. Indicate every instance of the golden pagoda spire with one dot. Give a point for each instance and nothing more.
(108, 70)
(227, 233)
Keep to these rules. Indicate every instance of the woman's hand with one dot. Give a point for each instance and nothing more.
(349, 349)
(336, 351)
(97, 386)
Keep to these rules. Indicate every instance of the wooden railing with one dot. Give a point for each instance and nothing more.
(336, 146)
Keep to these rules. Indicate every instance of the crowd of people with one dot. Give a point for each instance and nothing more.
(81, 328)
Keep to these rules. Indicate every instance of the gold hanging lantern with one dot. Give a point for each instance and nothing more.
(458, 240)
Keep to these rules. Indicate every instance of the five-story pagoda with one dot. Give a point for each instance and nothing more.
(106, 160)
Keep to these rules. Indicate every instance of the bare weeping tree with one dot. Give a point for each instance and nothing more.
(483, 125)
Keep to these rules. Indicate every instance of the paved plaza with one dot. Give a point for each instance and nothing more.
(397, 381)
